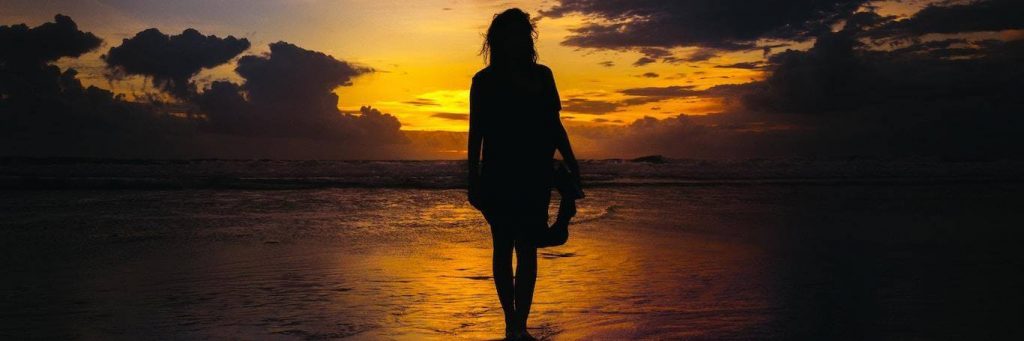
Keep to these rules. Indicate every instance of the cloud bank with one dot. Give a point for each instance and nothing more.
(285, 108)
(288, 93)
(951, 97)
(172, 60)
(651, 26)
(24, 46)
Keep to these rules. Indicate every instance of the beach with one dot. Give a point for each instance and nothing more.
(931, 258)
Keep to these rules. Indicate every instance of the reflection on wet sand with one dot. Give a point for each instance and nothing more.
(725, 262)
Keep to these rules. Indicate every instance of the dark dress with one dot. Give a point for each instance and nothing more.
(516, 112)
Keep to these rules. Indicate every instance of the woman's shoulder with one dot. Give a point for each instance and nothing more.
(489, 72)
(483, 74)
(543, 68)
(544, 71)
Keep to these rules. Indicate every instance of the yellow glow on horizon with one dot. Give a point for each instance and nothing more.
(426, 85)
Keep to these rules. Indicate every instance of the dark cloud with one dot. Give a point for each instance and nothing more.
(48, 112)
(839, 73)
(421, 102)
(712, 24)
(677, 75)
(672, 91)
(607, 63)
(649, 75)
(284, 109)
(289, 93)
(589, 106)
(653, 26)
(657, 94)
(172, 60)
(841, 99)
(974, 16)
(636, 96)
(701, 55)
(451, 116)
(654, 54)
(742, 65)
(289, 73)
(846, 96)
(44, 43)
(644, 61)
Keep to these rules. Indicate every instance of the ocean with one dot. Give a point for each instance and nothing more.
(77, 173)
(680, 249)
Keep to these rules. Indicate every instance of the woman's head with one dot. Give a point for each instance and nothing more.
(510, 39)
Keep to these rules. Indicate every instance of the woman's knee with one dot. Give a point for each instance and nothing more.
(526, 254)
(503, 248)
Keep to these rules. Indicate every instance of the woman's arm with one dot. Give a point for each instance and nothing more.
(561, 137)
(565, 148)
(475, 140)
(475, 136)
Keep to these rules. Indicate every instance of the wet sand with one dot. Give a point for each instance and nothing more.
(647, 262)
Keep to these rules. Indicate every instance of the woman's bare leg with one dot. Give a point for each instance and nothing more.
(526, 278)
(502, 268)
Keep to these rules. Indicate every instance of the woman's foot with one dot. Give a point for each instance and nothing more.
(511, 329)
(524, 335)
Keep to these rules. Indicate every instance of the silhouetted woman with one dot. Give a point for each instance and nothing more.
(513, 117)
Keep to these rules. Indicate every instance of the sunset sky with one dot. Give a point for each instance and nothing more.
(616, 65)
(423, 52)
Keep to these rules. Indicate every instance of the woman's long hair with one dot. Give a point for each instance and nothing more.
(510, 39)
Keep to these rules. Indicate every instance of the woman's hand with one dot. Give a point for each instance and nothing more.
(475, 195)
(476, 200)
(578, 184)
(567, 208)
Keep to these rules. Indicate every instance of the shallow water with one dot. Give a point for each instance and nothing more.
(657, 262)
